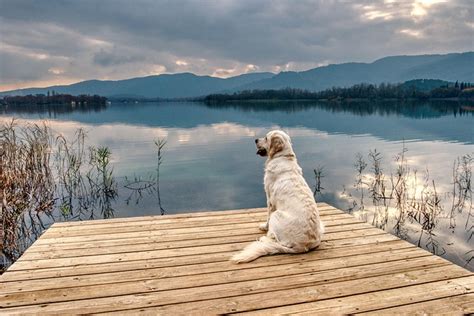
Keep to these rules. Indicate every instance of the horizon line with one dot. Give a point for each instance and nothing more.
(224, 78)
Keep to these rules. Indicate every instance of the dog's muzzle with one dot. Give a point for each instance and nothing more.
(262, 152)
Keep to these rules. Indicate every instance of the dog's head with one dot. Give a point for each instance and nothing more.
(275, 144)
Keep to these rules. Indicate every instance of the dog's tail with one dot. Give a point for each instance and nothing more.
(262, 247)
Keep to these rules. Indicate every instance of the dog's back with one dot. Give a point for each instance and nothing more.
(296, 222)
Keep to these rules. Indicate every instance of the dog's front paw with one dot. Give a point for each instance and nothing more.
(263, 227)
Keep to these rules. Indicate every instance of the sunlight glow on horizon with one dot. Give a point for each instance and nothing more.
(39, 84)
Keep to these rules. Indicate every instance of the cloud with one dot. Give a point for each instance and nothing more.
(120, 39)
(111, 58)
(56, 71)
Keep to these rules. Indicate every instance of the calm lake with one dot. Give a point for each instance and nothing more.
(210, 162)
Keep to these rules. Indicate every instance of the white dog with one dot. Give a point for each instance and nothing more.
(293, 224)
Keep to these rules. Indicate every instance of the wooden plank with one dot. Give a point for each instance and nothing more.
(162, 239)
(461, 304)
(160, 217)
(92, 225)
(317, 292)
(111, 229)
(443, 297)
(181, 222)
(158, 226)
(233, 297)
(249, 279)
(321, 207)
(150, 246)
(175, 231)
(279, 266)
(172, 253)
(209, 216)
(195, 263)
(180, 264)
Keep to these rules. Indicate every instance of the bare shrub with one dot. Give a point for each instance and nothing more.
(151, 185)
(27, 185)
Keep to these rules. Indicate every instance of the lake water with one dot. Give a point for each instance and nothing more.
(209, 160)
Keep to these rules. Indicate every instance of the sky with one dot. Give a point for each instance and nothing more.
(44, 43)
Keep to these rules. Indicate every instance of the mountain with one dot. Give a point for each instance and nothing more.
(395, 69)
(164, 86)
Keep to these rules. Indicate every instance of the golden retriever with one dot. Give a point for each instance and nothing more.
(293, 224)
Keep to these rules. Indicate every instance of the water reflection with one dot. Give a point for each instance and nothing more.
(410, 108)
(387, 120)
(209, 161)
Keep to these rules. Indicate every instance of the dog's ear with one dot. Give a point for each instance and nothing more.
(276, 145)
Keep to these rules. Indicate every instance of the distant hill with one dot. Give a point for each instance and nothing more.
(396, 69)
(163, 86)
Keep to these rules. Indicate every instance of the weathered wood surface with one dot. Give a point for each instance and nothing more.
(178, 264)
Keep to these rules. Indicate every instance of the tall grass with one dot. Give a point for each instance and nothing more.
(318, 177)
(150, 185)
(27, 185)
(103, 187)
(408, 203)
(72, 188)
(43, 177)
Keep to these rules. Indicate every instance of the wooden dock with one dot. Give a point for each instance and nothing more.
(178, 264)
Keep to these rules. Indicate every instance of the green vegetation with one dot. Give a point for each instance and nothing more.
(414, 89)
(53, 99)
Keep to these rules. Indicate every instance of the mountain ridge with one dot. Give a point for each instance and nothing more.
(389, 69)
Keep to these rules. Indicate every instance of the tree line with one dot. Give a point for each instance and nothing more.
(358, 91)
(53, 99)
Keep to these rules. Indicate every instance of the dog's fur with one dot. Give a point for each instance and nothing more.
(293, 224)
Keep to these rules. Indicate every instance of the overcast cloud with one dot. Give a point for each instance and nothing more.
(54, 42)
